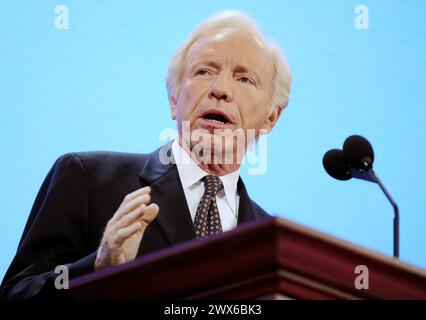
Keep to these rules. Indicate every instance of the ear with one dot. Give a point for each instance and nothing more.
(172, 103)
(272, 119)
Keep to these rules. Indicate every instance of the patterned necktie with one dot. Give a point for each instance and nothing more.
(207, 218)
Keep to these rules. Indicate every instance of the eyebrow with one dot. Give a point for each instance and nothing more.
(209, 63)
(239, 68)
(242, 69)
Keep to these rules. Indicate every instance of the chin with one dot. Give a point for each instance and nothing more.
(213, 148)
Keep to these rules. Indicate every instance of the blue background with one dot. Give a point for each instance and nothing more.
(100, 86)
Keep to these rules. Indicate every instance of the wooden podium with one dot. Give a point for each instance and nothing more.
(270, 259)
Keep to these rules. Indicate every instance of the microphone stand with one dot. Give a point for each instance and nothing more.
(368, 174)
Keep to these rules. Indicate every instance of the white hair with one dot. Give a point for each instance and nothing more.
(241, 21)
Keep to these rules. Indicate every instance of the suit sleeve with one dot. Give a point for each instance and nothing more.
(56, 233)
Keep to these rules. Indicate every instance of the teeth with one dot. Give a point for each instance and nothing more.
(213, 120)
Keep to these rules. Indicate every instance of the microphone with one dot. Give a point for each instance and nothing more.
(356, 161)
(358, 152)
(335, 165)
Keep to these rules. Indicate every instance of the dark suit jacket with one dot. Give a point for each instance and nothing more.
(80, 194)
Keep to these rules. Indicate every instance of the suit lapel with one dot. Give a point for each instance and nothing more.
(166, 190)
(174, 217)
(246, 212)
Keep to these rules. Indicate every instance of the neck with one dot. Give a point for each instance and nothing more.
(213, 168)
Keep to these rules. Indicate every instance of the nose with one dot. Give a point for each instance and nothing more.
(221, 89)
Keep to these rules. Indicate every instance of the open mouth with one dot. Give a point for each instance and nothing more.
(218, 118)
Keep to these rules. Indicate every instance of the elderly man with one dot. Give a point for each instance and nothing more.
(226, 79)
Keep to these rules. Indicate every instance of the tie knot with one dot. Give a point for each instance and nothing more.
(212, 185)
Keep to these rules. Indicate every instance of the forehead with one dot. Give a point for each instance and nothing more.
(229, 46)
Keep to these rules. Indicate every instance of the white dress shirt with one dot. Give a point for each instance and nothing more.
(191, 174)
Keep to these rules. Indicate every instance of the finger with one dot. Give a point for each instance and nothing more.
(150, 213)
(125, 233)
(135, 194)
(143, 199)
(137, 214)
(130, 217)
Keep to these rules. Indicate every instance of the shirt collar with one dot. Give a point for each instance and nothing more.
(190, 173)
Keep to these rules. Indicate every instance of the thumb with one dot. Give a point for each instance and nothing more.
(150, 213)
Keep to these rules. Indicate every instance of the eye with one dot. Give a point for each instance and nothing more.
(247, 80)
(201, 72)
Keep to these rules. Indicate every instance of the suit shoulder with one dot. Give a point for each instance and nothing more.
(104, 160)
(108, 156)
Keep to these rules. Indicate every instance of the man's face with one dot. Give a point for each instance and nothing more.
(226, 84)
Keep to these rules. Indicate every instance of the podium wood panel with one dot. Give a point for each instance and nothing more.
(270, 259)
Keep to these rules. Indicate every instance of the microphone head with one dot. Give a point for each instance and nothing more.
(335, 165)
(358, 152)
